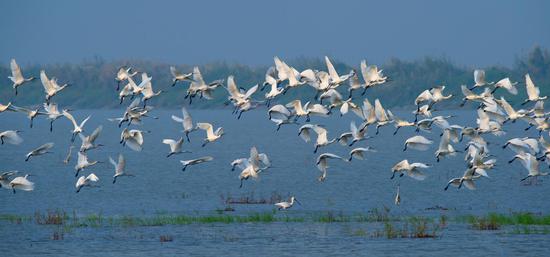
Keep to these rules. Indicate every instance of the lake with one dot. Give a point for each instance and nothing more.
(351, 191)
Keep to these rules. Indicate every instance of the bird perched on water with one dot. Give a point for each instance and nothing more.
(287, 205)
(120, 167)
(89, 181)
(21, 183)
(211, 135)
(175, 146)
(43, 149)
(16, 76)
(186, 163)
(10, 137)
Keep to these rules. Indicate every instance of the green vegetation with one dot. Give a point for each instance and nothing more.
(94, 78)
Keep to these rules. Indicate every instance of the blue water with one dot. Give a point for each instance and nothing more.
(161, 187)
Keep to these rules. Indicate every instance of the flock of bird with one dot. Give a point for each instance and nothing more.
(492, 115)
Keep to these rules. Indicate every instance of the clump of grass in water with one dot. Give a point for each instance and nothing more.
(56, 217)
(17, 219)
(414, 227)
(166, 238)
(330, 217)
(494, 221)
(250, 198)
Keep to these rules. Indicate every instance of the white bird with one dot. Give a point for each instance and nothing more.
(31, 113)
(335, 79)
(186, 121)
(445, 147)
(322, 163)
(479, 79)
(120, 167)
(83, 163)
(366, 113)
(382, 119)
(10, 137)
(186, 163)
(354, 84)
(507, 84)
(512, 115)
(53, 113)
(122, 74)
(252, 166)
(16, 76)
(411, 169)
(51, 88)
(178, 76)
(280, 115)
(132, 138)
(437, 95)
(287, 205)
(5, 178)
(425, 96)
(88, 142)
(399, 123)
(533, 92)
(522, 145)
(175, 146)
(21, 183)
(322, 140)
(471, 96)
(77, 129)
(371, 75)
(418, 143)
(307, 110)
(211, 135)
(530, 163)
(88, 181)
(467, 179)
(43, 149)
(358, 153)
(355, 135)
(147, 91)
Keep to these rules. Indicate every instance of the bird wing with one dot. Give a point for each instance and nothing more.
(379, 111)
(400, 165)
(251, 91)
(279, 108)
(532, 91)
(187, 120)
(197, 76)
(12, 137)
(92, 177)
(113, 162)
(331, 70)
(232, 88)
(465, 91)
(479, 77)
(84, 121)
(48, 87)
(305, 131)
(15, 71)
(206, 127)
(70, 117)
(318, 109)
(174, 72)
(506, 106)
(95, 134)
(445, 141)
(44, 147)
(121, 163)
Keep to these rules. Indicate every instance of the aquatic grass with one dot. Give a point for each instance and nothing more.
(166, 238)
(12, 218)
(51, 217)
(493, 221)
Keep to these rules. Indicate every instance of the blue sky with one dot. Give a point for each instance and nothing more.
(473, 33)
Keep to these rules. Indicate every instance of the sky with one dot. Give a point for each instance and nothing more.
(473, 33)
